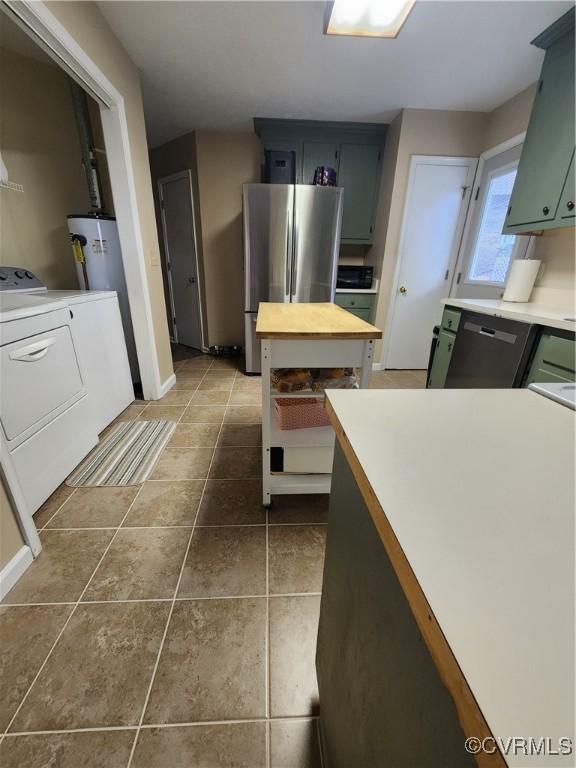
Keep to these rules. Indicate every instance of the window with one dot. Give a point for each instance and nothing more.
(485, 254)
(493, 251)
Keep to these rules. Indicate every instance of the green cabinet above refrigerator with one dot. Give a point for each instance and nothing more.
(353, 150)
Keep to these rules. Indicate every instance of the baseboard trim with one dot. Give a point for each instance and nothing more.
(167, 385)
(14, 569)
(378, 367)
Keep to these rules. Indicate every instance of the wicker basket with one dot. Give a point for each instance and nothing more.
(300, 413)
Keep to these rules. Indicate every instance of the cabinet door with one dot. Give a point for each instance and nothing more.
(358, 174)
(318, 153)
(442, 358)
(548, 374)
(451, 319)
(554, 361)
(568, 199)
(549, 143)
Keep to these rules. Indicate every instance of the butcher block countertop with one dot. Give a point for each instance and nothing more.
(311, 321)
(472, 494)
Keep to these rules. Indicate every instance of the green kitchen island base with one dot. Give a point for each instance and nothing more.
(382, 702)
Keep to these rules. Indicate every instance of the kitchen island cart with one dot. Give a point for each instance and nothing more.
(306, 348)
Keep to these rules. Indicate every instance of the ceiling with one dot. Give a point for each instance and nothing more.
(216, 65)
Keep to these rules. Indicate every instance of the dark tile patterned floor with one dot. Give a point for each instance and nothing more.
(172, 624)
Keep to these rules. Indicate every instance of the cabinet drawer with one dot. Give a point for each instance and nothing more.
(363, 314)
(354, 300)
(550, 374)
(451, 320)
(557, 351)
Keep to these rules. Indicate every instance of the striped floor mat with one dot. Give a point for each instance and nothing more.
(125, 456)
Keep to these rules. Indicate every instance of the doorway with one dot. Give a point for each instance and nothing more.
(486, 254)
(437, 200)
(181, 258)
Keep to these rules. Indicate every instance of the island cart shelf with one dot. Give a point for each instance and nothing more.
(315, 337)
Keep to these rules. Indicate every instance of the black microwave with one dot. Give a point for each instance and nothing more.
(354, 278)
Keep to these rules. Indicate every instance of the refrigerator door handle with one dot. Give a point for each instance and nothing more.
(289, 257)
(294, 260)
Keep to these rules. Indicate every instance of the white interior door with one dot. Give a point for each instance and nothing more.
(486, 254)
(181, 261)
(437, 199)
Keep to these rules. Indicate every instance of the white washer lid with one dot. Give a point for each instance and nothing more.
(77, 296)
(14, 306)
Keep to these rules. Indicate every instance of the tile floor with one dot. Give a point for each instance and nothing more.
(174, 623)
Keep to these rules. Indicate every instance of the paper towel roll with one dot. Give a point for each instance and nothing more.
(521, 279)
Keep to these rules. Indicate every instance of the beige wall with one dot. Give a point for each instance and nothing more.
(509, 119)
(220, 163)
(10, 537)
(87, 26)
(414, 132)
(225, 161)
(41, 150)
(556, 286)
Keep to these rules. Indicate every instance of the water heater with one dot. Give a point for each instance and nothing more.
(101, 269)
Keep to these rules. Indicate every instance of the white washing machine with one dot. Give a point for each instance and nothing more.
(98, 337)
(47, 421)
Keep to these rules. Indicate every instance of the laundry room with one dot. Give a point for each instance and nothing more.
(42, 160)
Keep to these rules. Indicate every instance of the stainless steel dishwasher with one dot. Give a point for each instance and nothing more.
(490, 352)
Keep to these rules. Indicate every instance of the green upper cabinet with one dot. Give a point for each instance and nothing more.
(358, 175)
(568, 199)
(353, 150)
(537, 200)
(318, 153)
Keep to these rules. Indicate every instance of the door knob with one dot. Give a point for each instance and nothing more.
(403, 290)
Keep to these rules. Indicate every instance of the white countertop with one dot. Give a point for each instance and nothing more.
(526, 312)
(478, 487)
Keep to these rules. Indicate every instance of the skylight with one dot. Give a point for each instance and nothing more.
(367, 18)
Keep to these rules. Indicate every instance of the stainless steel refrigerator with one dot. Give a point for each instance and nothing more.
(291, 242)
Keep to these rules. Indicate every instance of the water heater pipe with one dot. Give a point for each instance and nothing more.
(82, 115)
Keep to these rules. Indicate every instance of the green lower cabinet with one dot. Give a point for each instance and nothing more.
(554, 361)
(442, 356)
(362, 305)
(363, 314)
(451, 319)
